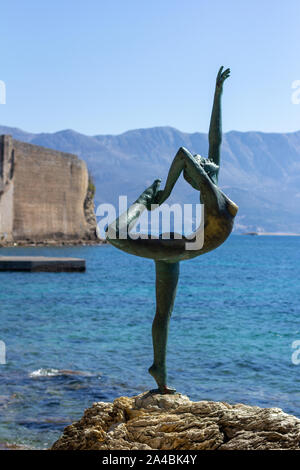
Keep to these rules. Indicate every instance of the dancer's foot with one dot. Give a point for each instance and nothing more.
(168, 390)
(159, 375)
(163, 391)
(148, 197)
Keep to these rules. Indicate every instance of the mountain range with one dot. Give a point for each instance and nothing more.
(259, 171)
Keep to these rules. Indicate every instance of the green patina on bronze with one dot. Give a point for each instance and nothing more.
(219, 212)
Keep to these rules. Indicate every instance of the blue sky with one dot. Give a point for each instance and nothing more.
(103, 67)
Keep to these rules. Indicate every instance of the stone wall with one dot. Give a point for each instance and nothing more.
(42, 194)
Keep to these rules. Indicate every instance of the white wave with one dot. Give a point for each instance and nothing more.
(44, 373)
(55, 372)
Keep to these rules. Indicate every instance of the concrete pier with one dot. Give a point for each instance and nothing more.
(41, 263)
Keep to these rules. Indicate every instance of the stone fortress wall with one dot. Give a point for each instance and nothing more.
(44, 194)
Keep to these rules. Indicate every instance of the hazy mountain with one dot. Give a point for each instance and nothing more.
(260, 171)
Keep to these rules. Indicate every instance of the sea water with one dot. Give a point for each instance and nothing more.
(76, 338)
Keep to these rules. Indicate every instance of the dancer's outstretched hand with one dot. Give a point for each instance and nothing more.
(221, 77)
(148, 197)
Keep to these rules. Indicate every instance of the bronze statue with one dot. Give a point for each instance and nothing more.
(219, 213)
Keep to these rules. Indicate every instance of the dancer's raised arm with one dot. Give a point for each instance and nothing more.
(215, 128)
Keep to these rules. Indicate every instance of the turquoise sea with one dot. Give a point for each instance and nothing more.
(76, 338)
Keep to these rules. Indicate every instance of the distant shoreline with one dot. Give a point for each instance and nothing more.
(272, 234)
(99, 242)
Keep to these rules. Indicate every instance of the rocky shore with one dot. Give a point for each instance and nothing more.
(168, 422)
(46, 243)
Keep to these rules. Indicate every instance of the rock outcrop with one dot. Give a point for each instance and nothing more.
(168, 422)
(89, 211)
(44, 194)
